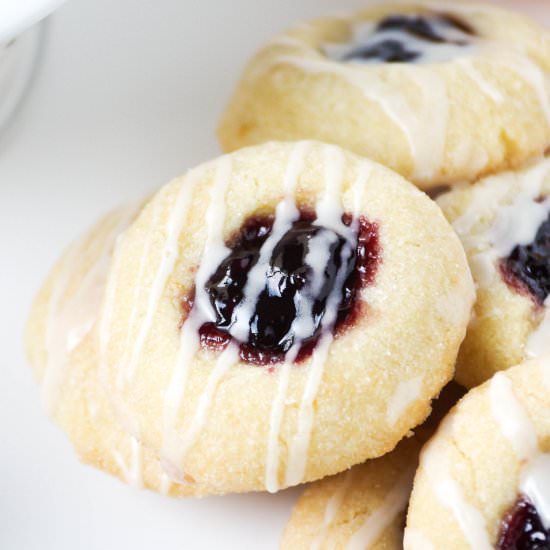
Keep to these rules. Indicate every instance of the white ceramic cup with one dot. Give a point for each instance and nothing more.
(20, 41)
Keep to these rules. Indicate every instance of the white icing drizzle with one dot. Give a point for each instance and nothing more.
(275, 420)
(329, 215)
(143, 262)
(512, 419)
(132, 473)
(169, 256)
(512, 224)
(426, 142)
(165, 484)
(174, 446)
(286, 212)
(467, 65)
(70, 322)
(435, 464)
(517, 224)
(415, 539)
(517, 427)
(376, 523)
(407, 392)
(225, 361)
(424, 126)
(332, 508)
(535, 483)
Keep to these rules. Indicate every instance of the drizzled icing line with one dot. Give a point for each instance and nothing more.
(407, 392)
(68, 324)
(380, 519)
(288, 212)
(426, 141)
(435, 463)
(169, 256)
(132, 472)
(143, 262)
(174, 446)
(515, 223)
(517, 427)
(332, 508)
(329, 214)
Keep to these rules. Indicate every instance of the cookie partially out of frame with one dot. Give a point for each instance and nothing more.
(504, 224)
(441, 92)
(483, 481)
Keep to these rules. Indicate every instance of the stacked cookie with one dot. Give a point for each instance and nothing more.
(292, 309)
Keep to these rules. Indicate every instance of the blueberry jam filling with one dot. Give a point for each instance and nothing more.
(522, 529)
(405, 38)
(527, 268)
(289, 286)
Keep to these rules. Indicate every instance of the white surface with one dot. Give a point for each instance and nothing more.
(128, 96)
(18, 62)
(18, 15)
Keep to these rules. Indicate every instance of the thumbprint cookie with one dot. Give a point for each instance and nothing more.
(504, 224)
(441, 92)
(483, 480)
(280, 314)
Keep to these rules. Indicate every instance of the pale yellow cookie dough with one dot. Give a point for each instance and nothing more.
(507, 325)
(216, 423)
(365, 507)
(488, 450)
(61, 341)
(483, 110)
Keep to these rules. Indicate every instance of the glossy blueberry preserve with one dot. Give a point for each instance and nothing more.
(287, 286)
(528, 266)
(522, 529)
(398, 48)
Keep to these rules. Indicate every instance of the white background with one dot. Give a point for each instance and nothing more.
(128, 96)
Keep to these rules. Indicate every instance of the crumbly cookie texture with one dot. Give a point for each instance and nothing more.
(366, 506)
(442, 92)
(503, 222)
(222, 421)
(61, 340)
(485, 466)
(334, 251)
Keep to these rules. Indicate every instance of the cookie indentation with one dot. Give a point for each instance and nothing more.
(522, 529)
(408, 38)
(310, 269)
(527, 268)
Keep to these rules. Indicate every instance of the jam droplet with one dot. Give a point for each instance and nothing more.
(432, 29)
(291, 288)
(528, 266)
(522, 529)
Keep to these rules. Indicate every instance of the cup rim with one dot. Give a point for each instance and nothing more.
(18, 15)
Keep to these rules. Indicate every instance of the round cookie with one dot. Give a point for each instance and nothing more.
(280, 314)
(61, 340)
(504, 224)
(441, 92)
(365, 507)
(483, 480)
